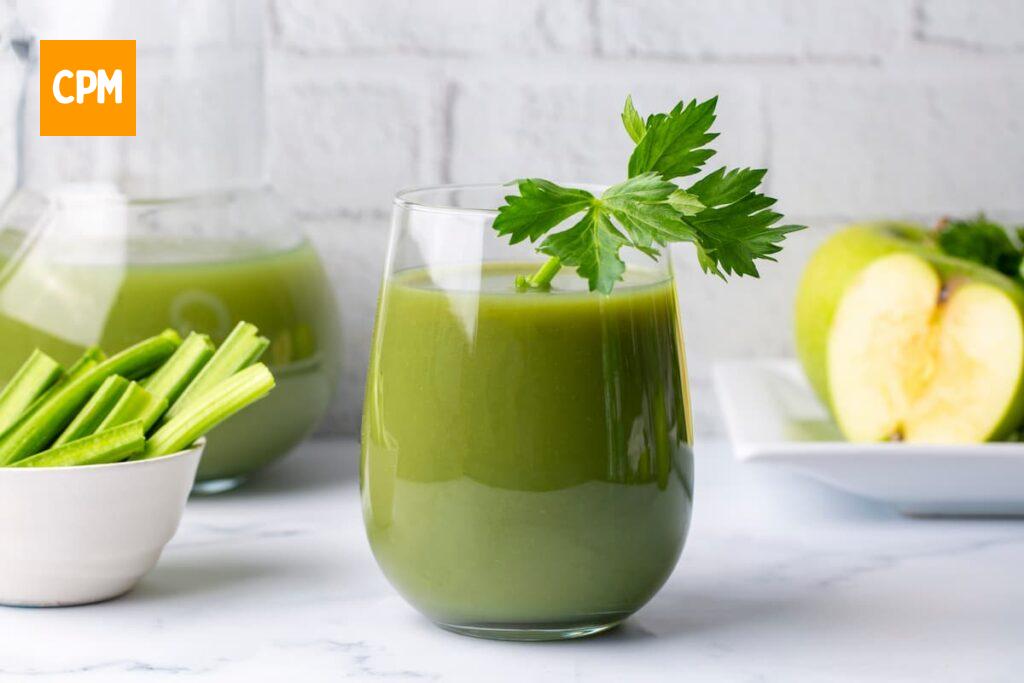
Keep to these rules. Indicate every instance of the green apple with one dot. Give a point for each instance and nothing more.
(905, 343)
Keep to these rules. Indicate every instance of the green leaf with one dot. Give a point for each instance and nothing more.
(725, 187)
(982, 241)
(731, 225)
(632, 120)
(736, 234)
(634, 213)
(673, 145)
(540, 206)
(707, 263)
(592, 246)
(685, 203)
(649, 187)
(640, 206)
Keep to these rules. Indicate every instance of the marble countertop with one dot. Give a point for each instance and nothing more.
(781, 580)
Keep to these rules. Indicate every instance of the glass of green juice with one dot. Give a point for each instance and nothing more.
(527, 471)
(83, 264)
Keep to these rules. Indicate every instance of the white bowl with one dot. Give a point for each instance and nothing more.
(75, 535)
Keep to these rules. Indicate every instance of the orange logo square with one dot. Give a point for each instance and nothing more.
(87, 87)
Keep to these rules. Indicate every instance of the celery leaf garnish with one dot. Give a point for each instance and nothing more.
(730, 224)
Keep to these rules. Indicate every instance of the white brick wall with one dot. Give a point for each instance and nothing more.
(340, 142)
(987, 25)
(495, 27)
(752, 30)
(860, 108)
(909, 143)
(571, 130)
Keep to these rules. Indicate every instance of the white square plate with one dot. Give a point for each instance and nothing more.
(773, 417)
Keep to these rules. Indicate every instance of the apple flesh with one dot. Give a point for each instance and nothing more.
(905, 343)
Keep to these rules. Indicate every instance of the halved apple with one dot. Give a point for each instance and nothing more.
(907, 344)
(912, 358)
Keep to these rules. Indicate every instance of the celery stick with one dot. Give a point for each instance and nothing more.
(112, 445)
(261, 345)
(173, 376)
(238, 351)
(43, 398)
(171, 340)
(49, 419)
(33, 378)
(89, 419)
(225, 399)
(89, 359)
(135, 404)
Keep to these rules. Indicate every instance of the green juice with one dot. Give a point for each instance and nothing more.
(526, 456)
(61, 303)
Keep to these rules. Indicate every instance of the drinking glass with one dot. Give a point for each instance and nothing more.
(526, 469)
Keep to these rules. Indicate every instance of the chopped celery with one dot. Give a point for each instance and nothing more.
(212, 407)
(240, 350)
(49, 419)
(261, 345)
(43, 398)
(33, 378)
(111, 445)
(135, 404)
(89, 359)
(168, 341)
(99, 406)
(173, 376)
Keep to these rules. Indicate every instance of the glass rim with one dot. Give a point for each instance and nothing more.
(404, 198)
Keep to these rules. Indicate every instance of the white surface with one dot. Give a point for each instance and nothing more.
(781, 580)
(73, 535)
(773, 418)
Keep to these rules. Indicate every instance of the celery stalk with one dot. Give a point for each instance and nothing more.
(225, 399)
(135, 404)
(89, 359)
(49, 419)
(173, 376)
(112, 445)
(32, 379)
(89, 419)
(261, 345)
(239, 350)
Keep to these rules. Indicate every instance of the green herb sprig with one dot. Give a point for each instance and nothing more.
(722, 215)
(983, 241)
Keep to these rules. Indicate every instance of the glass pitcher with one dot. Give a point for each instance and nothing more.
(106, 240)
